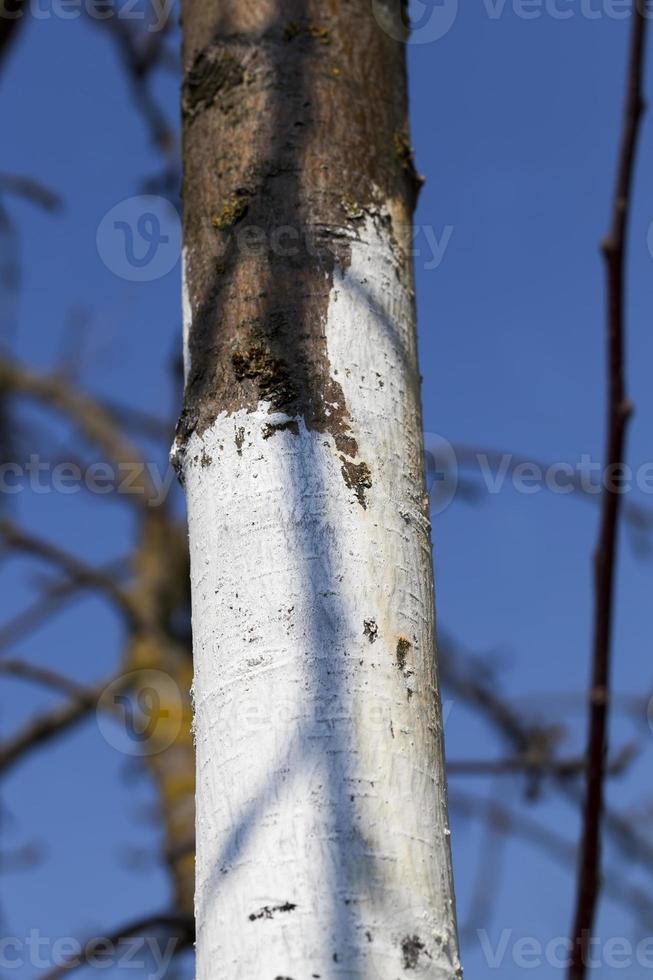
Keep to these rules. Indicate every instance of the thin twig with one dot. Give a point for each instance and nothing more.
(32, 190)
(46, 678)
(94, 422)
(619, 411)
(508, 821)
(11, 20)
(55, 599)
(45, 726)
(20, 540)
(477, 688)
(529, 762)
(504, 464)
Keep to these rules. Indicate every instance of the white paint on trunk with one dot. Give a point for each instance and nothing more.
(322, 836)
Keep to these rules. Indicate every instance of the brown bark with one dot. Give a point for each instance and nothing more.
(295, 118)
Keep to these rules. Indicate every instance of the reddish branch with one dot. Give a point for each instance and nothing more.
(619, 411)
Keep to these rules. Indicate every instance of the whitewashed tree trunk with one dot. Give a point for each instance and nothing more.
(322, 835)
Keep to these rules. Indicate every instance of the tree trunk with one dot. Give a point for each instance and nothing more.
(322, 836)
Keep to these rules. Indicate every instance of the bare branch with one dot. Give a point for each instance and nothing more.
(20, 540)
(44, 727)
(177, 927)
(638, 517)
(32, 190)
(11, 20)
(139, 56)
(619, 411)
(543, 763)
(53, 600)
(475, 686)
(507, 821)
(96, 424)
(45, 677)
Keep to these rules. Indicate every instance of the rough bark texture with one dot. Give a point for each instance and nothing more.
(322, 839)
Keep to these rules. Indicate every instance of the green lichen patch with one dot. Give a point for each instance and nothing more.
(352, 208)
(232, 212)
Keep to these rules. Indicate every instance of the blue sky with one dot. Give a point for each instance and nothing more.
(515, 123)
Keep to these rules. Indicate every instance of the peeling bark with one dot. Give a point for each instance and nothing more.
(322, 826)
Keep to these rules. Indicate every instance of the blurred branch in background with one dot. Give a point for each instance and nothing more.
(178, 930)
(13, 16)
